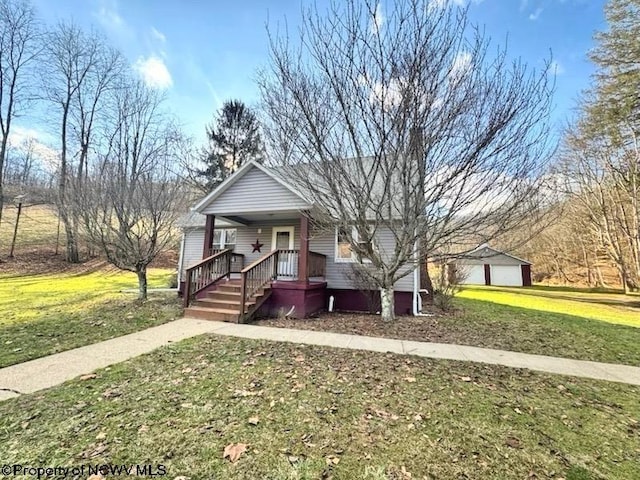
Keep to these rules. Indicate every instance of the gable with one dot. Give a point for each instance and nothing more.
(253, 190)
(488, 255)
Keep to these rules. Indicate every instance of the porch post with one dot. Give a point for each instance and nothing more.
(303, 258)
(208, 235)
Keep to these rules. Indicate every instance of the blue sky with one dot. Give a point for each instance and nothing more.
(203, 52)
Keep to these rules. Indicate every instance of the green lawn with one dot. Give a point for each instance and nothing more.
(314, 412)
(45, 314)
(604, 306)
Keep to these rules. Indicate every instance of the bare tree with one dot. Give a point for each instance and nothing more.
(83, 70)
(19, 47)
(133, 196)
(401, 123)
(604, 179)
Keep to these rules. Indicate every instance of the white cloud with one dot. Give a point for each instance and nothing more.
(535, 15)
(458, 3)
(444, 3)
(460, 66)
(389, 94)
(158, 35)
(154, 72)
(378, 19)
(556, 68)
(108, 15)
(25, 140)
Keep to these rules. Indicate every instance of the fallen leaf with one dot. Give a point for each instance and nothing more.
(233, 451)
(405, 473)
(98, 450)
(253, 421)
(111, 393)
(332, 460)
(513, 442)
(465, 379)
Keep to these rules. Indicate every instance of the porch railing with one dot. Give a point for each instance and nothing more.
(288, 264)
(208, 271)
(256, 276)
(237, 259)
(317, 264)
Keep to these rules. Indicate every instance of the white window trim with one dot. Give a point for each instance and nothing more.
(223, 237)
(354, 257)
(274, 236)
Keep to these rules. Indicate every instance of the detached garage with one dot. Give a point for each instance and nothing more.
(488, 266)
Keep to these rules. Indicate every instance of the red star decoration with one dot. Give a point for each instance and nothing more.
(257, 246)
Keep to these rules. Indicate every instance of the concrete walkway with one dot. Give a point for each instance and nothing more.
(55, 369)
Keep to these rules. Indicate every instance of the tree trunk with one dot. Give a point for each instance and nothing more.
(387, 304)
(142, 283)
(73, 255)
(623, 279)
(1, 194)
(15, 231)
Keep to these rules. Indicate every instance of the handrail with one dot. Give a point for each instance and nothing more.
(256, 276)
(208, 271)
(317, 264)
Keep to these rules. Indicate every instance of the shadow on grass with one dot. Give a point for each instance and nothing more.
(56, 332)
(565, 288)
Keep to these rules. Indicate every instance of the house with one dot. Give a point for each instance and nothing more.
(248, 249)
(488, 266)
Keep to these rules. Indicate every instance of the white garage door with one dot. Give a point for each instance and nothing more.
(474, 274)
(506, 275)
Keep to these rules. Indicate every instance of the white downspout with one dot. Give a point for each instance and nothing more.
(417, 300)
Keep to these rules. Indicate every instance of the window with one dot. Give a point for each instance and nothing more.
(224, 238)
(344, 252)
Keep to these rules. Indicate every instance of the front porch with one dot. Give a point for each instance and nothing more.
(231, 284)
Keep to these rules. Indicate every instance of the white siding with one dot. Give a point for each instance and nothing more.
(338, 273)
(192, 253)
(473, 274)
(246, 236)
(255, 192)
(506, 275)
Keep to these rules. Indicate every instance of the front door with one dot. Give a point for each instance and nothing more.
(287, 260)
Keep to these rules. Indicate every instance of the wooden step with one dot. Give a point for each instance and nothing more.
(223, 295)
(228, 287)
(219, 314)
(223, 303)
